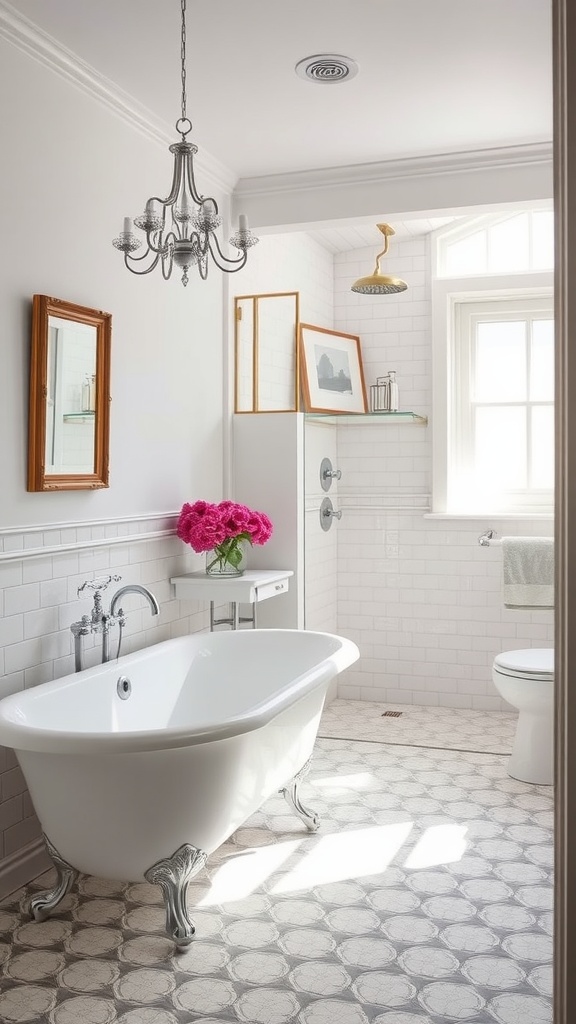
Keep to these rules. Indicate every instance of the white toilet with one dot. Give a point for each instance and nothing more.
(526, 680)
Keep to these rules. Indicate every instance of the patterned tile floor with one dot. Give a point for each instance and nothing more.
(424, 898)
(419, 726)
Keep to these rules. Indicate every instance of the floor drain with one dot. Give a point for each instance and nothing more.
(391, 714)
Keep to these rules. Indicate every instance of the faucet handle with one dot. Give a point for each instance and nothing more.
(99, 584)
(82, 627)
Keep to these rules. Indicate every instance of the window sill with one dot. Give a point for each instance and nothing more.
(492, 516)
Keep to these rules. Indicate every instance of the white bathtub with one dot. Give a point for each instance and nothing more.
(214, 724)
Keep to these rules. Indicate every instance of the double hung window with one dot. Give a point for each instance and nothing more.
(494, 367)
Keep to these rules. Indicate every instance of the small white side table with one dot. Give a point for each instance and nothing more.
(253, 586)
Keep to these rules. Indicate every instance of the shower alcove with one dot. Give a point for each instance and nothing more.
(277, 467)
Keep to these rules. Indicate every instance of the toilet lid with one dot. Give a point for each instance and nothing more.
(536, 661)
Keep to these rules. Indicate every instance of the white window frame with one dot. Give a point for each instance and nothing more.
(465, 316)
(446, 293)
(458, 232)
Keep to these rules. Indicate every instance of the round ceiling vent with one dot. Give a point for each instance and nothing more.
(327, 68)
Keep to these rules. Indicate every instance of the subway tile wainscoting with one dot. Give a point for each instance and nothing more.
(40, 571)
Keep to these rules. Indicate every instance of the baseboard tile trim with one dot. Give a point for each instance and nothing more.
(23, 866)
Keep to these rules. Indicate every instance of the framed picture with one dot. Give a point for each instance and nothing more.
(331, 370)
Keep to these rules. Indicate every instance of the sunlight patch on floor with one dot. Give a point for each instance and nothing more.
(346, 855)
(440, 844)
(360, 780)
(239, 876)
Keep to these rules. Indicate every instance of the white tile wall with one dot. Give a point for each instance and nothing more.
(320, 546)
(38, 602)
(420, 597)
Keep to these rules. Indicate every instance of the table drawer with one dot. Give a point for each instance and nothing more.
(271, 589)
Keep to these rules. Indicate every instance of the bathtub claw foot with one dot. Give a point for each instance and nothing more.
(173, 875)
(291, 794)
(42, 905)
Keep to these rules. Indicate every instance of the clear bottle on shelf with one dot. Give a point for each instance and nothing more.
(393, 398)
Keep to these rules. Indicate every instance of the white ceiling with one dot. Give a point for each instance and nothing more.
(358, 236)
(435, 76)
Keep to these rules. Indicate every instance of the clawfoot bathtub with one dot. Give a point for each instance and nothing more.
(140, 768)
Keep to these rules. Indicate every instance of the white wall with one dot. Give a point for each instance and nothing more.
(320, 546)
(70, 170)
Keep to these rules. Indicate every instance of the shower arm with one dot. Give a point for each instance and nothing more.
(376, 271)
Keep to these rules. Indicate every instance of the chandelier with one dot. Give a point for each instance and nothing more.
(181, 229)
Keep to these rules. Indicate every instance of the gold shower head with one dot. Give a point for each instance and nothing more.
(377, 283)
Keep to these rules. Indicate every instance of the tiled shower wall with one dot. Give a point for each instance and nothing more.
(40, 572)
(419, 595)
(320, 546)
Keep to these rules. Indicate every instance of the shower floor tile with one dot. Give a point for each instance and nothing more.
(424, 898)
(421, 726)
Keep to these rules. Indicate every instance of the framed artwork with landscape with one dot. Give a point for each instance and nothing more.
(331, 371)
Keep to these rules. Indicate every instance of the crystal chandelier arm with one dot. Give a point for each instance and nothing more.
(191, 182)
(226, 263)
(167, 260)
(162, 242)
(128, 260)
(176, 177)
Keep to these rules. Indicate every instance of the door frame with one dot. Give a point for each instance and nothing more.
(564, 42)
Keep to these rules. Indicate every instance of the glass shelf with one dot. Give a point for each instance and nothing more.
(88, 415)
(369, 417)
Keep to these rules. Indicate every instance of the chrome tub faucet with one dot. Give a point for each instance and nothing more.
(133, 588)
(100, 621)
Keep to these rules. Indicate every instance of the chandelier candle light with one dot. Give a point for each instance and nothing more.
(222, 531)
(181, 229)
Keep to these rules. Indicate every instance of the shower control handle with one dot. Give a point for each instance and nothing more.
(328, 513)
(328, 474)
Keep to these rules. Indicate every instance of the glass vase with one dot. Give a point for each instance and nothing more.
(226, 560)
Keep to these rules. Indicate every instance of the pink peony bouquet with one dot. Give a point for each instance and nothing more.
(222, 529)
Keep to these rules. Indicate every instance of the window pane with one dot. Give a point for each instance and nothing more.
(543, 241)
(542, 361)
(508, 245)
(500, 449)
(542, 453)
(500, 365)
(467, 256)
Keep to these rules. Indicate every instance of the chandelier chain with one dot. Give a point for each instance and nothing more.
(180, 230)
(183, 58)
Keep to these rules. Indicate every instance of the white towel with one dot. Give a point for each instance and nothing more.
(528, 572)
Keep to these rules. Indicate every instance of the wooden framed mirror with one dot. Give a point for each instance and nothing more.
(69, 413)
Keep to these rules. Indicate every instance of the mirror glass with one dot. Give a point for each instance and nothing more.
(69, 396)
(266, 330)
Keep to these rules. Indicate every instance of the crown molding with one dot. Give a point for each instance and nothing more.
(44, 48)
(389, 170)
